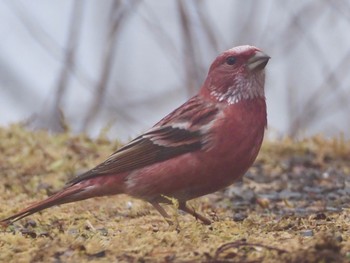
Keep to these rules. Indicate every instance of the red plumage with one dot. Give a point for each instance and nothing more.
(202, 146)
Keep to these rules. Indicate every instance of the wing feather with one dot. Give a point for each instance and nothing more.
(176, 134)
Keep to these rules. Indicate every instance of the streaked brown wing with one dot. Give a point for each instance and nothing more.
(146, 150)
(169, 139)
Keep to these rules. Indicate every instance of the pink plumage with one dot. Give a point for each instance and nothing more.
(203, 146)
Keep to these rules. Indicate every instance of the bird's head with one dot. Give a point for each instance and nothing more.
(237, 74)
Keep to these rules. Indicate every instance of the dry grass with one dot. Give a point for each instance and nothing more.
(34, 164)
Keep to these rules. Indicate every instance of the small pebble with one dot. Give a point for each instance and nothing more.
(155, 228)
(320, 216)
(73, 231)
(307, 233)
(263, 202)
(29, 223)
(129, 205)
(28, 232)
(100, 254)
(339, 238)
(103, 231)
(238, 217)
(44, 234)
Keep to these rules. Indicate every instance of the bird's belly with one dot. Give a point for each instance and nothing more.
(193, 174)
(234, 145)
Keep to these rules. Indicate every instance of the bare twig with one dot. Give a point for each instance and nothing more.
(163, 36)
(189, 49)
(45, 40)
(119, 13)
(72, 42)
(238, 244)
(311, 109)
(211, 33)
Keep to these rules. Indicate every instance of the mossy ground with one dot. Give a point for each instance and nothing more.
(292, 206)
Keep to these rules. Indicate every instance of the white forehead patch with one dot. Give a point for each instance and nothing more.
(240, 49)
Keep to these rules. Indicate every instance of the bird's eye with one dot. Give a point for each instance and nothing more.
(231, 60)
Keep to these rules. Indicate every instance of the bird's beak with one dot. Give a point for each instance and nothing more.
(258, 61)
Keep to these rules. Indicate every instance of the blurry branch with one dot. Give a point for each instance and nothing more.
(248, 28)
(194, 69)
(342, 8)
(294, 110)
(165, 41)
(39, 34)
(69, 60)
(15, 88)
(72, 43)
(162, 35)
(198, 32)
(159, 97)
(199, 36)
(70, 65)
(311, 110)
(293, 32)
(190, 49)
(120, 11)
(209, 30)
(304, 115)
(266, 28)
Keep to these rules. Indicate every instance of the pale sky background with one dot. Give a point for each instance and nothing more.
(308, 76)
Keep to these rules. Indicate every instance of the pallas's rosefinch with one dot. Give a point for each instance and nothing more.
(202, 146)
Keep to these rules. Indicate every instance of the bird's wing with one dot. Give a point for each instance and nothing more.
(182, 131)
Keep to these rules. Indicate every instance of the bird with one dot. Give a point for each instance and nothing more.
(203, 146)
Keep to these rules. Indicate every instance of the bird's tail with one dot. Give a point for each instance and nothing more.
(69, 194)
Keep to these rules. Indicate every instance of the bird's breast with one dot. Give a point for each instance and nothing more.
(234, 142)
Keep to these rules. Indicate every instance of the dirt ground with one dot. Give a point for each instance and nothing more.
(292, 206)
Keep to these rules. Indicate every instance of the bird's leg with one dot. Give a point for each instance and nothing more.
(184, 207)
(162, 212)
